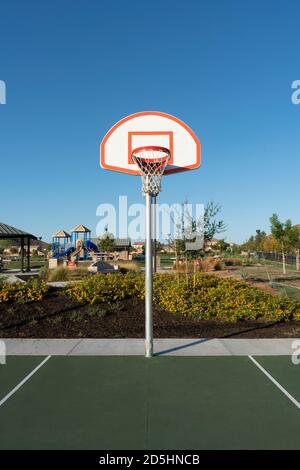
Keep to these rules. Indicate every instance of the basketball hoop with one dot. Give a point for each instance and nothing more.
(150, 144)
(151, 162)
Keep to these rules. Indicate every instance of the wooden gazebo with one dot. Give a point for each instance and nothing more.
(7, 232)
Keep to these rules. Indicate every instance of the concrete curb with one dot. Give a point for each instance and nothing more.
(162, 347)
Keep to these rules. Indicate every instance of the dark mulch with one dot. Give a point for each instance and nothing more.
(60, 317)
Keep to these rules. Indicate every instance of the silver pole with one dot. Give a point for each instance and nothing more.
(148, 280)
(154, 232)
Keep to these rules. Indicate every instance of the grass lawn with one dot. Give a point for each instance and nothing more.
(35, 262)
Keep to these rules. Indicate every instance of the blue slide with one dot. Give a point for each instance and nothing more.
(91, 246)
(68, 251)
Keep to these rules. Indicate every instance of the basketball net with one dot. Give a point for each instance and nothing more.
(151, 162)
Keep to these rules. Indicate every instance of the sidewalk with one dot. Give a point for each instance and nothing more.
(162, 347)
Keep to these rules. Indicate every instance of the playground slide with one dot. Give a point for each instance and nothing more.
(91, 246)
(68, 251)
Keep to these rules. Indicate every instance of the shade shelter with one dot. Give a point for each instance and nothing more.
(7, 232)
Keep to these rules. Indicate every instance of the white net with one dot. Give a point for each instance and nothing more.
(152, 162)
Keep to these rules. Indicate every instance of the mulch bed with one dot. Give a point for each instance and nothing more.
(60, 317)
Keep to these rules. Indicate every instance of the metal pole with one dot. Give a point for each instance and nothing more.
(22, 254)
(28, 254)
(154, 232)
(148, 280)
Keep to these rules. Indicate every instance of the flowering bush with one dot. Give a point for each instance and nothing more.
(224, 299)
(34, 290)
(209, 297)
(105, 288)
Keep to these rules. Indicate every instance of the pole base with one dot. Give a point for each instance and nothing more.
(148, 348)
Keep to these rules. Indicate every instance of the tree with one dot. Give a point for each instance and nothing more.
(212, 226)
(259, 239)
(107, 242)
(270, 244)
(285, 234)
(209, 226)
(255, 242)
(188, 230)
(297, 246)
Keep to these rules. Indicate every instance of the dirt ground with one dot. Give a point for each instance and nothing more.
(269, 278)
(60, 317)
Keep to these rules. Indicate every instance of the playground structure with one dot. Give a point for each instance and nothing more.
(76, 246)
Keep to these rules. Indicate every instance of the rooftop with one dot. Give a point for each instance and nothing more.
(62, 234)
(7, 231)
(81, 229)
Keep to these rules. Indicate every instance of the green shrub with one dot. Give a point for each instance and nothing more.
(60, 274)
(44, 273)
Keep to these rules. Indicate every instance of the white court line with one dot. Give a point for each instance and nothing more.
(283, 390)
(23, 381)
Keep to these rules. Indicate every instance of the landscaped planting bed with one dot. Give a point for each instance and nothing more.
(112, 305)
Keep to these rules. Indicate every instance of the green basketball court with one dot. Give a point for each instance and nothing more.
(118, 402)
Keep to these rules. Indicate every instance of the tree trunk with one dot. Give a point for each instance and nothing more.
(297, 259)
(283, 259)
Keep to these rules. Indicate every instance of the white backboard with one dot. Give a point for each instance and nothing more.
(150, 128)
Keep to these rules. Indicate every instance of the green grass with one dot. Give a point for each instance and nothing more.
(291, 292)
(166, 261)
(289, 267)
(35, 262)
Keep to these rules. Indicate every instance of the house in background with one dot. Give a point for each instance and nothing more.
(138, 247)
(36, 247)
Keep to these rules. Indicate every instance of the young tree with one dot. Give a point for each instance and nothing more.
(212, 226)
(209, 226)
(297, 246)
(107, 242)
(187, 230)
(286, 235)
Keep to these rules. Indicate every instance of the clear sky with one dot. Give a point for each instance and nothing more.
(74, 68)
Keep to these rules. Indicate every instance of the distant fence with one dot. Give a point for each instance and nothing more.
(275, 256)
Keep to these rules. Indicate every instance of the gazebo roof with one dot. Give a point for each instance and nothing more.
(7, 231)
(81, 229)
(62, 234)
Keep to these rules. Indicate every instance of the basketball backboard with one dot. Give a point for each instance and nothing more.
(150, 128)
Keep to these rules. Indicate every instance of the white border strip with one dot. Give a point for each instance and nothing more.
(283, 390)
(23, 381)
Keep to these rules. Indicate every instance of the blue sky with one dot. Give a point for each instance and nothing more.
(74, 68)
